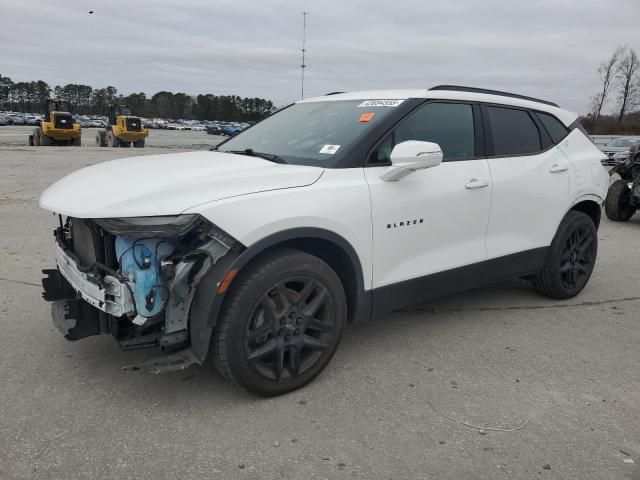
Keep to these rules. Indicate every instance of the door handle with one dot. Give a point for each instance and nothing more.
(558, 167)
(476, 183)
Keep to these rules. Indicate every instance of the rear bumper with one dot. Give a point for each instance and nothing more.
(133, 136)
(62, 133)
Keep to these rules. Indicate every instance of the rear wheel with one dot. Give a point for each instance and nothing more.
(139, 144)
(112, 140)
(77, 142)
(618, 205)
(43, 139)
(281, 323)
(125, 144)
(570, 259)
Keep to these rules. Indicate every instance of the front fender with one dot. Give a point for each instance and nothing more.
(208, 300)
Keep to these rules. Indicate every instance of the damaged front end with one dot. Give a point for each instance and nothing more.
(135, 279)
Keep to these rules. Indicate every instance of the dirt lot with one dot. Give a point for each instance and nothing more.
(17, 136)
(496, 357)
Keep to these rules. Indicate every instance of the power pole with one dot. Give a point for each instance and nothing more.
(304, 49)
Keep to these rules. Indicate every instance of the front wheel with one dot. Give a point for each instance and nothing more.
(618, 205)
(570, 259)
(281, 324)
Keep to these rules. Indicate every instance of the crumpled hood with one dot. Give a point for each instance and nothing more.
(168, 184)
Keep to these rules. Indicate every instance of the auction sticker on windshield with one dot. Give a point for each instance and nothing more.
(330, 149)
(380, 103)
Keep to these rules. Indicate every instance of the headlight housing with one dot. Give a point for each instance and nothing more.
(162, 226)
(168, 226)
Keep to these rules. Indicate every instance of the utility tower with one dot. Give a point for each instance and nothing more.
(304, 49)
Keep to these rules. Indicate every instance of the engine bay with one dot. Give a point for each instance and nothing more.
(132, 278)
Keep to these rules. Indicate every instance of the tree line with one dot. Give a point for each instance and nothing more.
(86, 100)
(619, 81)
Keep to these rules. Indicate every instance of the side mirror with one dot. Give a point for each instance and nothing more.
(409, 156)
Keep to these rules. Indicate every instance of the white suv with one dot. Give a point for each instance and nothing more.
(332, 210)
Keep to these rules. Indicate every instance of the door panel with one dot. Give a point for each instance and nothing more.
(531, 182)
(531, 194)
(430, 221)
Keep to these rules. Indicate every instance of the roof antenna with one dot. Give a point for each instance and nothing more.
(304, 49)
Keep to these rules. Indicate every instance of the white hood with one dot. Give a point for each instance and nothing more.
(168, 184)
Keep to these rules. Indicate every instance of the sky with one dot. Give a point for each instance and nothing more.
(544, 48)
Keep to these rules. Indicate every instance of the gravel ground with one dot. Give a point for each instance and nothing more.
(498, 356)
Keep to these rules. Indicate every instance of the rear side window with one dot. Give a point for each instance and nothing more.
(450, 125)
(556, 130)
(514, 132)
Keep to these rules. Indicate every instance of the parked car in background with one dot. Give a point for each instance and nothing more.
(32, 120)
(618, 146)
(17, 119)
(4, 120)
(214, 130)
(231, 130)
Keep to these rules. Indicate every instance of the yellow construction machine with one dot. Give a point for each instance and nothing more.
(123, 129)
(57, 127)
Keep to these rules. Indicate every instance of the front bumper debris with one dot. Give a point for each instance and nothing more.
(107, 293)
(75, 319)
(91, 295)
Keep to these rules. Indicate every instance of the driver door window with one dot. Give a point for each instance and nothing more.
(450, 125)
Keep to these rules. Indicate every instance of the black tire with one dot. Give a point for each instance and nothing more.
(271, 337)
(617, 205)
(44, 140)
(139, 144)
(124, 144)
(570, 259)
(112, 140)
(77, 142)
(100, 140)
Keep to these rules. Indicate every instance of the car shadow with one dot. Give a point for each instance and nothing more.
(204, 384)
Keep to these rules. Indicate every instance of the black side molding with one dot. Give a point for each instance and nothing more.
(410, 292)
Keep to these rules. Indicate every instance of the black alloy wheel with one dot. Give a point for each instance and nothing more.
(570, 259)
(281, 322)
(289, 328)
(578, 257)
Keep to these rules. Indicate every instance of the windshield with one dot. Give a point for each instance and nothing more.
(620, 142)
(313, 133)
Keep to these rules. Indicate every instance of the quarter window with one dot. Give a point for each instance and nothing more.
(556, 130)
(514, 132)
(450, 125)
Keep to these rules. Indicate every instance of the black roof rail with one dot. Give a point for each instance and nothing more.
(332, 93)
(458, 88)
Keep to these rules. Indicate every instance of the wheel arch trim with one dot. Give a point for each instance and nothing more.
(594, 212)
(207, 303)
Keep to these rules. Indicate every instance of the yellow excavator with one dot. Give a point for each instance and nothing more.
(123, 129)
(57, 127)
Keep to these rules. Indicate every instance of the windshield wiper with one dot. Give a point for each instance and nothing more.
(250, 152)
